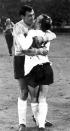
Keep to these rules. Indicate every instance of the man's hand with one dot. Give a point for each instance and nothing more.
(42, 51)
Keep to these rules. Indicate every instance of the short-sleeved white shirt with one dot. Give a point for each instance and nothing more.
(31, 61)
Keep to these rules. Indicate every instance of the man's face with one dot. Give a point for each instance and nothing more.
(29, 18)
(38, 22)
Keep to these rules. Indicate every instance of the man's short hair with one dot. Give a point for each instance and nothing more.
(45, 22)
(24, 9)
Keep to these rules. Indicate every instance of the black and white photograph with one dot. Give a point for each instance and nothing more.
(34, 65)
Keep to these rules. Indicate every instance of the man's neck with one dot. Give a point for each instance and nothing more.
(26, 25)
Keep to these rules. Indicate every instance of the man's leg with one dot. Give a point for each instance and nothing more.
(34, 103)
(43, 106)
(46, 78)
(8, 41)
(35, 107)
(10, 44)
(22, 104)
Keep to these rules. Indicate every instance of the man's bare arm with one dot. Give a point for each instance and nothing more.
(36, 51)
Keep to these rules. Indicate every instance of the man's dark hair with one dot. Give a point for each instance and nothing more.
(46, 22)
(24, 9)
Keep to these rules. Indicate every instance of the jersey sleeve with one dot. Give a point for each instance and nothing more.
(49, 36)
(17, 29)
(47, 45)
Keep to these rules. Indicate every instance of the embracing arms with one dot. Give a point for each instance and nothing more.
(36, 51)
(26, 42)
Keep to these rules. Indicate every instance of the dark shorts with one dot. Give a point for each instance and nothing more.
(40, 75)
(19, 66)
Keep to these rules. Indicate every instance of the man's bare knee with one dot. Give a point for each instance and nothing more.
(24, 94)
(34, 100)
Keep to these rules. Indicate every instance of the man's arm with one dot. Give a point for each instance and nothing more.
(36, 51)
(26, 42)
(49, 36)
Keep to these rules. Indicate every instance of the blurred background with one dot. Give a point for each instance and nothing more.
(59, 10)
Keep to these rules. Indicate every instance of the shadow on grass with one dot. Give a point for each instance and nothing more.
(37, 129)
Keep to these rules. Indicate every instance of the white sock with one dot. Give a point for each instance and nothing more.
(34, 107)
(43, 108)
(22, 107)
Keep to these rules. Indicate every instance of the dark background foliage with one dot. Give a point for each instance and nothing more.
(59, 10)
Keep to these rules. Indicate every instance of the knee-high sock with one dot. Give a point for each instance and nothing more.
(22, 108)
(43, 108)
(34, 107)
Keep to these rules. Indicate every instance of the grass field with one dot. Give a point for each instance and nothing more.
(58, 96)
